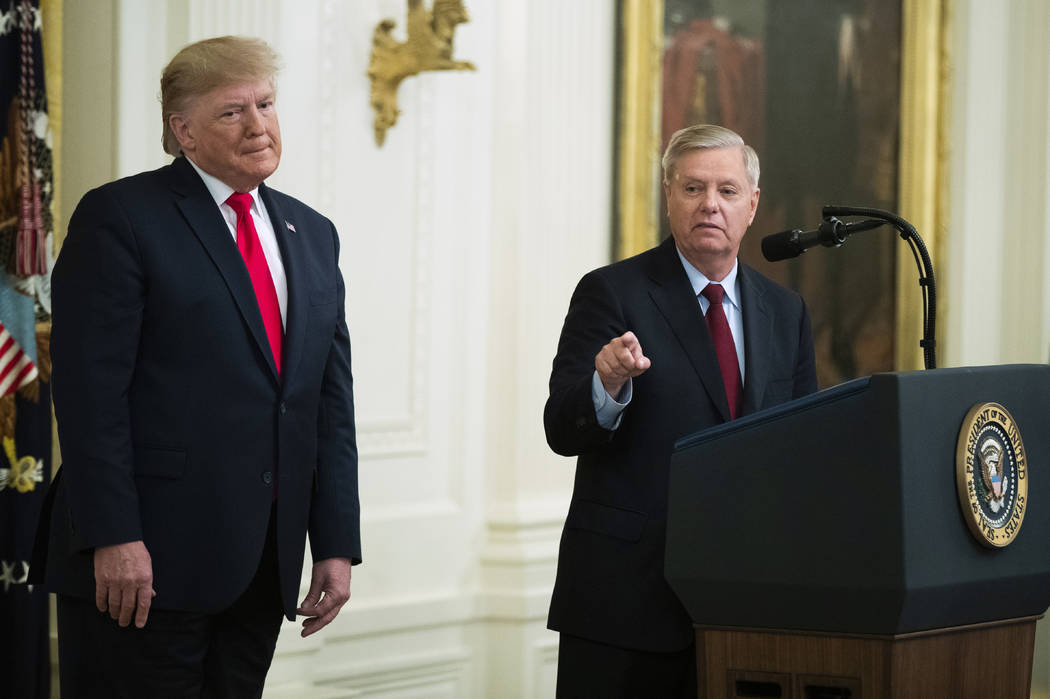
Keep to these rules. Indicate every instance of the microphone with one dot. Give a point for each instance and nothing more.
(833, 232)
(783, 246)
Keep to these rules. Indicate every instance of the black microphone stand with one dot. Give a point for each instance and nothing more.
(928, 286)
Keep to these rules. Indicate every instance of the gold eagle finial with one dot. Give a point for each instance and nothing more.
(428, 47)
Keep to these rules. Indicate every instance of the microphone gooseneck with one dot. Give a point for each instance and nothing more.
(833, 232)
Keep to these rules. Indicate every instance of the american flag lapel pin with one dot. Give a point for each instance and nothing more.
(290, 226)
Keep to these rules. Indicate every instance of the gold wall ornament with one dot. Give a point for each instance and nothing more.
(428, 47)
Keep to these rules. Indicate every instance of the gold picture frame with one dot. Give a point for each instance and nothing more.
(923, 154)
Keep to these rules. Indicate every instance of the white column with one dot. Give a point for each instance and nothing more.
(973, 273)
(145, 42)
(1025, 223)
(998, 262)
(551, 217)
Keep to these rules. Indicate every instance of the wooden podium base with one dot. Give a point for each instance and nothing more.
(990, 661)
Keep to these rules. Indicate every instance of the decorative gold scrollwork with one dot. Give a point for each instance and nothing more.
(428, 47)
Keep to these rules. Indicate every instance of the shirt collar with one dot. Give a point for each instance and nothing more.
(219, 190)
(699, 281)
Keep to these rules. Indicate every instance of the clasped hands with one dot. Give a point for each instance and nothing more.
(619, 360)
(124, 586)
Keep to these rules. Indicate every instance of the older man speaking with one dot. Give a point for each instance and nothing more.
(204, 399)
(679, 338)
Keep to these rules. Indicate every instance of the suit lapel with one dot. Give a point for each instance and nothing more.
(207, 224)
(674, 297)
(290, 240)
(758, 334)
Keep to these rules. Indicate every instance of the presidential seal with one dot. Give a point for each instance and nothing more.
(991, 474)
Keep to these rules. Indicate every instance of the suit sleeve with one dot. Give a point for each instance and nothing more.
(805, 374)
(594, 318)
(335, 511)
(98, 292)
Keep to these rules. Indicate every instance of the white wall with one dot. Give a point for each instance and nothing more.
(462, 239)
(996, 275)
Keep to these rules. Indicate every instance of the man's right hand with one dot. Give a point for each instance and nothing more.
(124, 582)
(620, 360)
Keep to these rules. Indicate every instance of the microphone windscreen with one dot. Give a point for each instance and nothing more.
(781, 246)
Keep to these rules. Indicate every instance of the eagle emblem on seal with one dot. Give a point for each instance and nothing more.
(991, 474)
(995, 482)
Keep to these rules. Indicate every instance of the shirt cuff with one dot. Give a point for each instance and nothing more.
(607, 409)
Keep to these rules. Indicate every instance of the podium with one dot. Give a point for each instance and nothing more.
(831, 548)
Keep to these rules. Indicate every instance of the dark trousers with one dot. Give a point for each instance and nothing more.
(588, 670)
(177, 654)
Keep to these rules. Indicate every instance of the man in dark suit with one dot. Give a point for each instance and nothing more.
(649, 354)
(204, 400)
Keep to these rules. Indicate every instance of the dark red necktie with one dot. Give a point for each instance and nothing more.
(725, 348)
(259, 271)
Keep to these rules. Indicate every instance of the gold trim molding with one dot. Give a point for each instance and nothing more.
(926, 68)
(638, 140)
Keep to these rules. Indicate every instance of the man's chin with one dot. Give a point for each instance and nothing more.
(261, 169)
(708, 242)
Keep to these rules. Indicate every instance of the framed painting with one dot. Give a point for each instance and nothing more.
(844, 102)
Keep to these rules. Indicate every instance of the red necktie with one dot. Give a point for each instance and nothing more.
(724, 346)
(259, 271)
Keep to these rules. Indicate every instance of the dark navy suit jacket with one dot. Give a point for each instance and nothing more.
(610, 585)
(175, 425)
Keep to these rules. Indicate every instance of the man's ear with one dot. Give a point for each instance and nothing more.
(754, 204)
(181, 128)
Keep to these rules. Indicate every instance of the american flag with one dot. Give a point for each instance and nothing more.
(16, 368)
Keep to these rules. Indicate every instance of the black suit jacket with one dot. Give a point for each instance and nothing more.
(175, 425)
(610, 585)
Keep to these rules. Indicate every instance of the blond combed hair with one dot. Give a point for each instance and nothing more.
(701, 136)
(209, 64)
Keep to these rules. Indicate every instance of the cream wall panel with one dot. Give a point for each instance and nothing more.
(973, 271)
(90, 72)
(552, 204)
(243, 17)
(144, 46)
(1045, 318)
(387, 206)
(998, 262)
(552, 171)
(1025, 223)
(435, 661)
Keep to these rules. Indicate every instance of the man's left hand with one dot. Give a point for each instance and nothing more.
(329, 591)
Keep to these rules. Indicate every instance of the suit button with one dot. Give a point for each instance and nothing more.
(267, 477)
(283, 408)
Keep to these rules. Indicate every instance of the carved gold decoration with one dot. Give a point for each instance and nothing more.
(428, 47)
(922, 183)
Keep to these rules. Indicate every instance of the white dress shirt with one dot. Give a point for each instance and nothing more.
(730, 303)
(220, 192)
